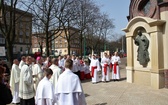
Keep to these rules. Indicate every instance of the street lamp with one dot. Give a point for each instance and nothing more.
(104, 46)
(84, 45)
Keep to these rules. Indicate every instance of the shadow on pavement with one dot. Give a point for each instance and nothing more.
(123, 79)
(86, 95)
(86, 80)
(101, 104)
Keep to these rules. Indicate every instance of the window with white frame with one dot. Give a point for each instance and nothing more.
(14, 48)
(35, 45)
(2, 40)
(27, 20)
(27, 27)
(27, 40)
(27, 33)
(20, 40)
(20, 32)
(21, 25)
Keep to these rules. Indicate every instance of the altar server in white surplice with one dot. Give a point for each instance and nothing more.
(45, 90)
(105, 62)
(116, 72)
(69, 89)
(14, 81)
(37, 72)
(56, 71)
(94, 68)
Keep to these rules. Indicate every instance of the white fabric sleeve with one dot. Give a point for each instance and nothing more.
(17, 74)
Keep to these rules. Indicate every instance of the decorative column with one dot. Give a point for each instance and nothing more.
(129, 67)
(157, 62)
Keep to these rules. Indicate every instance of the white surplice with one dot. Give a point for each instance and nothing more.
(86, 69)
(95, 76)
(14, 83)
(38, 74)
(61, 63)
(56, 73)
(113, 60)
(75, 65)
(104, 62)
(69, 90)
(45, 93)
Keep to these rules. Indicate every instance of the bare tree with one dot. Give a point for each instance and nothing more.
(9, 21)
(86, 13)
(67, 19)
(46, 19)
(106, 26)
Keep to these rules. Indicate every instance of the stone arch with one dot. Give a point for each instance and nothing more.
(139, 28)
(150, 25)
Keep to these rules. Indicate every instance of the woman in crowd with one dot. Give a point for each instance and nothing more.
(5, 94)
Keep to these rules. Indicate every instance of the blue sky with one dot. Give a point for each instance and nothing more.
(117, 10)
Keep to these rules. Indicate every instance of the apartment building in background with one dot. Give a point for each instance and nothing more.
(23, 30)
(59, 46)
(2, 46)
(38, 39)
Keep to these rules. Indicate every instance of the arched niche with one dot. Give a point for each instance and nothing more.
(153, 30)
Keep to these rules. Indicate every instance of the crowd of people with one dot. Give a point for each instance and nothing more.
(55, 81)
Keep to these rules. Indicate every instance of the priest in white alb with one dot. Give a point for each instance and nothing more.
(94, 68)
(105, 62)
(56, 71)
(45, 90)
(115, 72)
(69, 89)
(37, 72)
(26, 90)
(14, 81)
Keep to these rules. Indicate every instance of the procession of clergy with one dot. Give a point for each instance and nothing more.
(57, 81)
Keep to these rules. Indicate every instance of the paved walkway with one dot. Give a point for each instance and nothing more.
(123, 93)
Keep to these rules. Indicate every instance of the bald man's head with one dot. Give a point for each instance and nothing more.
(15, 61)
